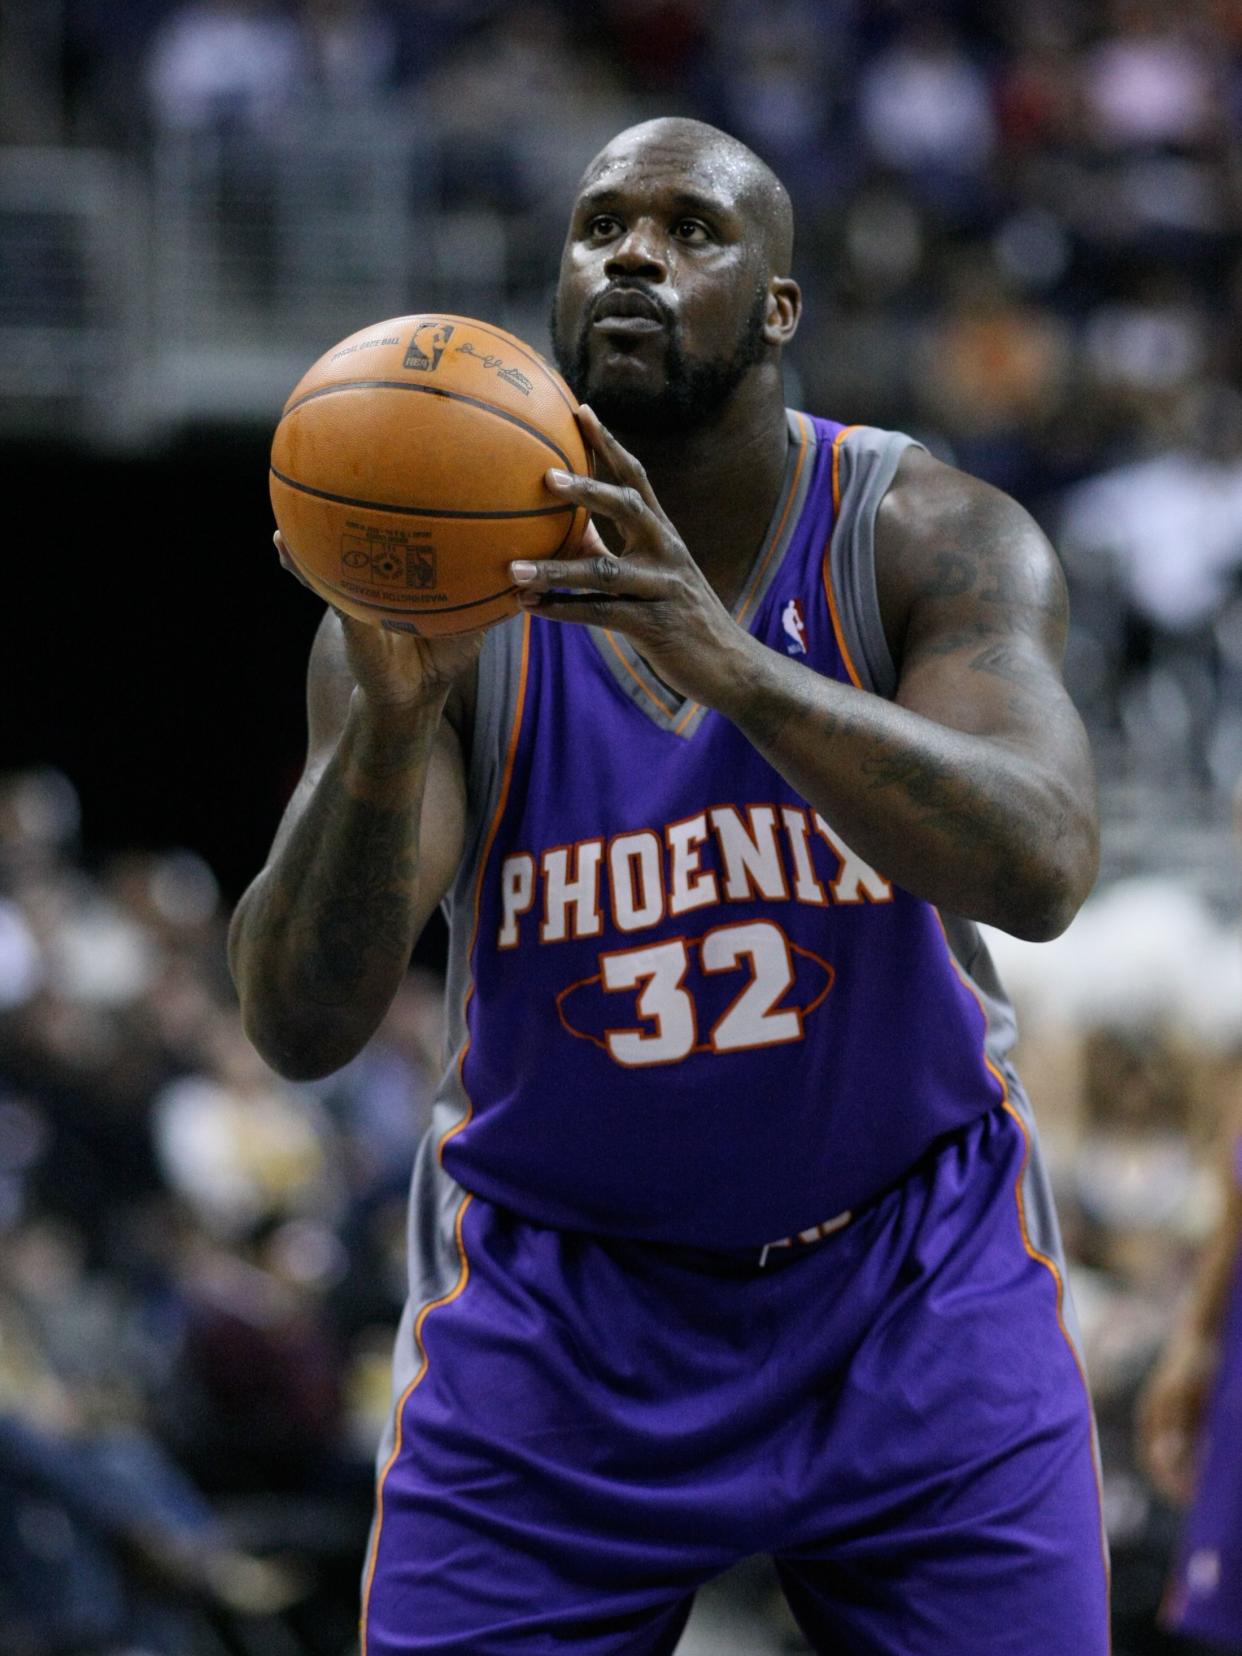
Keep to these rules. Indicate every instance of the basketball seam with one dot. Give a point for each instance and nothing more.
(414, 511)
(432, 391)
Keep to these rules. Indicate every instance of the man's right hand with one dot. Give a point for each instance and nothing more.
(393, 668)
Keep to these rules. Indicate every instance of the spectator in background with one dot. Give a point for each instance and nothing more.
(104, 1542)
(350, 50)
(1190, 1428)
(1149, 85)
(992, 371)
(926, 112)
(224, 65)
(1158, 542)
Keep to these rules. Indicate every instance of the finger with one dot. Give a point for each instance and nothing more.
(287, 563)
(622, 502)
(624, 466)
(618, 613)
(604, 573)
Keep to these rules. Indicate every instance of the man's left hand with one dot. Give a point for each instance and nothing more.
(651, 589)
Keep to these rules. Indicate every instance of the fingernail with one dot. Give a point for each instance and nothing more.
(585, 408)
(560, 478)
(523, 571)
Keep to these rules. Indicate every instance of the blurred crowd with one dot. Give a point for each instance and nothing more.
(201, 1265)
(200, 1269)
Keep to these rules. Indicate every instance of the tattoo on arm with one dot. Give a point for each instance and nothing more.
(344, 886)
(357, 923)
(1005, 662)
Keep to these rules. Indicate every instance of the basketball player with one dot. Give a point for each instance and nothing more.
(1190, 1434)
(731, 1235)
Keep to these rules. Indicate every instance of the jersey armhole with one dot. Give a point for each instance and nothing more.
(499, 673)
(865, 463)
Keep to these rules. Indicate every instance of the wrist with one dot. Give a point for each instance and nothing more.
(752, 693)
(395, 712)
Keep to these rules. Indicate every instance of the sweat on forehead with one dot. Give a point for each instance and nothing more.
(713, 161)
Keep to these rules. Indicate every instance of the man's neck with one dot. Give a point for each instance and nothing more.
(720, 484)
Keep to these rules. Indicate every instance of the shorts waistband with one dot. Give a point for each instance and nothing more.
(766, 1256)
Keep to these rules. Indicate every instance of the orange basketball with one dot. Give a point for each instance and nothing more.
(407, 470)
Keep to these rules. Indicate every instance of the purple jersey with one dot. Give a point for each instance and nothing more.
(685, 1009)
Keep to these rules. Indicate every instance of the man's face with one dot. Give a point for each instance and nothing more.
(660, 307)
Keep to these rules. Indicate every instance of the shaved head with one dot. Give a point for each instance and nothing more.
(727, 166)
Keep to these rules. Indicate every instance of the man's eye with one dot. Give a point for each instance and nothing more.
(602, 225)
(690, 230)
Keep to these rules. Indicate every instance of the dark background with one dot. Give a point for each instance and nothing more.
(169, 681)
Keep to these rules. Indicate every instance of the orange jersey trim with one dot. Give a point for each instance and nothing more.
(803, 445)
(1050, 1265)
(641, 683)
(464, 1272)
(837, 630)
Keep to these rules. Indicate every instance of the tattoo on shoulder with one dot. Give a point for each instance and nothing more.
(950, 576)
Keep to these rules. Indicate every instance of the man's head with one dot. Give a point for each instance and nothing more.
(674, 288)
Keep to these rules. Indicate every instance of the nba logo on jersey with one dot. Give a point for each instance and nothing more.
(794, 623)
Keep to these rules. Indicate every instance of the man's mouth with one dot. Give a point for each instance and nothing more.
(627, 310)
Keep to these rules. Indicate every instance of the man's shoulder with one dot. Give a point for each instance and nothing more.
(942, 534)
(931, 503)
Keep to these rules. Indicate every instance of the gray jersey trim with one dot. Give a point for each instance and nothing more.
(438, 1271)
(437, 1264)
(868, 461)
(496, 707)
(970, 955)
(652, 697)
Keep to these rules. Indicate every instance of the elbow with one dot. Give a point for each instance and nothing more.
(1042, 906)
(1040, 922)
(296, 1047)
(295, 1053)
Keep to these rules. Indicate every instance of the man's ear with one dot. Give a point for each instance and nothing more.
(784, 310)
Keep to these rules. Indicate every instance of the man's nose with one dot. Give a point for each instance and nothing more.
(638, 253)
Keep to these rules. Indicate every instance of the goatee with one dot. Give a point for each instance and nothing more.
(693, 393)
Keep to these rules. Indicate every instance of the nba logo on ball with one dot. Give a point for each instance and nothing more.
(417, 357)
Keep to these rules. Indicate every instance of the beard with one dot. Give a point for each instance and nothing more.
(693, 393)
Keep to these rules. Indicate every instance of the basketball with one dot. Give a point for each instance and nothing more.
(407, 471)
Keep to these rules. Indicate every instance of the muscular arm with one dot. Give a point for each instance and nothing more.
(974, 787)
(368, 845)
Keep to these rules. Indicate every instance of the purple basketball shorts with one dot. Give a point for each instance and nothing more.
(590, 1429)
